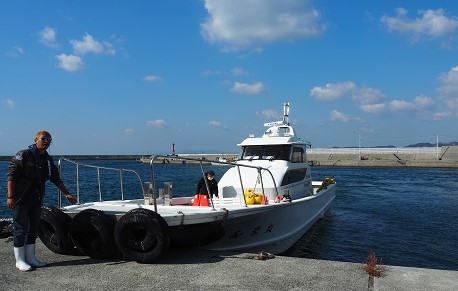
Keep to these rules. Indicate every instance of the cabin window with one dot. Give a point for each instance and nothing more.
(252, 152)
(298, 155)
(268, 152)
(284, 130)
(293, 176)
(277, 152)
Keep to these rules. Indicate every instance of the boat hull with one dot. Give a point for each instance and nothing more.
(273, 228)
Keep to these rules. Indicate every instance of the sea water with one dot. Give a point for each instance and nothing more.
(406, 216)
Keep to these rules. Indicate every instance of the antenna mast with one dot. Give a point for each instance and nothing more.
(286, 113)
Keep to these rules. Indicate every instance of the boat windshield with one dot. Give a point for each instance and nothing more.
(266, 152)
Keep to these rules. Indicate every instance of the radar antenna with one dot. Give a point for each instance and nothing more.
(285, 113)
(285, 120)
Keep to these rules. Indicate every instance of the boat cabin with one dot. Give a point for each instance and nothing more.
(278, 150)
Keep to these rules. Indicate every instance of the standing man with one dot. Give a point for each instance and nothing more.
(27, 173)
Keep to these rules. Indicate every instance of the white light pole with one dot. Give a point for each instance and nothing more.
(437, 147)
(359, 143)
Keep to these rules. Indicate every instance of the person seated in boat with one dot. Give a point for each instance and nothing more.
(212, 184)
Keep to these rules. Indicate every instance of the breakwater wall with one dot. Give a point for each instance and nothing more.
(443, 157)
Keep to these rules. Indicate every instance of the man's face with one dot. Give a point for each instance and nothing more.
(43, 141)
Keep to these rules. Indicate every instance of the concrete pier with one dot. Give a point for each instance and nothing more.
(193, 269)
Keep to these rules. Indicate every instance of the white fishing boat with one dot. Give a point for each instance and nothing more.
(220, 161)
(267, 201)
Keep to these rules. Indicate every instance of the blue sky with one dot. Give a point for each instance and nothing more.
(133, 77)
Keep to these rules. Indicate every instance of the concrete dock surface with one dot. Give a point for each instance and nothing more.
(194, 269)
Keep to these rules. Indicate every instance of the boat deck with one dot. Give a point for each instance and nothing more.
(179, 210)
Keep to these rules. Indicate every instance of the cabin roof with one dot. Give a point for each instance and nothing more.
(271, 141)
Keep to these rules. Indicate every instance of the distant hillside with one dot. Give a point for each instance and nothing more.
(427, 144)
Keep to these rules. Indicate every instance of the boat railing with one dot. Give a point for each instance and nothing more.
(201, 162)
(98, 168)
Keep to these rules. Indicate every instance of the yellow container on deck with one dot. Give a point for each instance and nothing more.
(248, 192)
(257, 198)
(249, 199)
(253, 198)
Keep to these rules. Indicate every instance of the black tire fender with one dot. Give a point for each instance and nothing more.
(92, 233)
(142, 235)
(53, 232)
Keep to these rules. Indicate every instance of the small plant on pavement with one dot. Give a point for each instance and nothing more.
(373, 266)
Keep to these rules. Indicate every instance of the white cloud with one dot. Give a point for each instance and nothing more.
(401, 105)
(9, 102)
(48, 37)
(109, 48)
(419, 104)
(70, 63)
(239, 24)
(339, 116)
(238, 72)
(448, 89)
(248, 89)
(449, 82)
(269, 114)
(366, 95)
(15, 52)
(441, 115)
(429, 23)
(373, 108)
(215, 123)
(158, 123)
(129, 131)
(89, 45)
(423, 101)
(152, 78)
(332, 91)
(373, 101)
(368, 99)
(212, 73)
